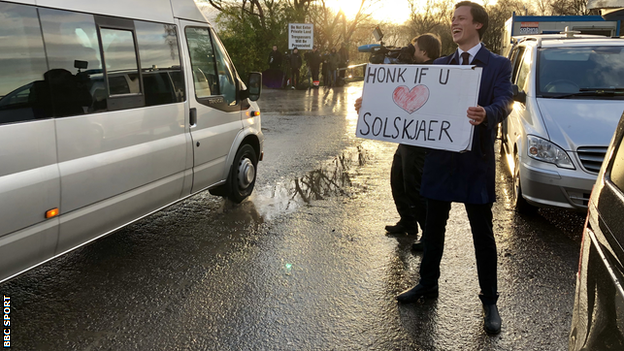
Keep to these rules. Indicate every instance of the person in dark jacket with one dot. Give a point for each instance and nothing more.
(467, 177)
(343, 54)
(409, 161)
(273, 76)
(325, 68)
(333, 62)
(313, 60)
(295, 65)
(275, 59)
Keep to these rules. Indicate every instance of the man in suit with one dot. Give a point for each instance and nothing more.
(467, 177)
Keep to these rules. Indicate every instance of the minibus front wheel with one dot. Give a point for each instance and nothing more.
(243, 174)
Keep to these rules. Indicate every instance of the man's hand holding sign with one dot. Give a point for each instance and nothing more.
(409, 104)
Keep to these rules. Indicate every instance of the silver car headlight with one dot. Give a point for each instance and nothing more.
(545, 151)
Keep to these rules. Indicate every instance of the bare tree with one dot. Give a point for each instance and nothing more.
(432, 16)
(498, 14)
(570, 8)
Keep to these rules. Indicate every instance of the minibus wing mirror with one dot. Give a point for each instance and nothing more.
(255, 85)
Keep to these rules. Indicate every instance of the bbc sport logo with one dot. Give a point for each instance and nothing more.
(6, 340)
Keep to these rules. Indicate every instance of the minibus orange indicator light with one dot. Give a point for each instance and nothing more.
(255, 113)
(52, 213)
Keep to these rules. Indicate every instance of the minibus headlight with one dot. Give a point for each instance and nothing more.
(545, 151)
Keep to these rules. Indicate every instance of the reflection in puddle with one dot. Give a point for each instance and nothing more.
(330, 179)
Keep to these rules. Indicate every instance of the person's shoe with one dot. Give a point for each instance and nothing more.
(399, 228)
(491, 319)
(418, 246)
(293, 88)
(415, 293)
(395, 229)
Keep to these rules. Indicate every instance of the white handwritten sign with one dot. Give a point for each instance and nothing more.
(422, 105)
(301, 36)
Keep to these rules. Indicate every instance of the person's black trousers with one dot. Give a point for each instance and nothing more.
(405, 179)
(315, 73)
(294, 81)
(480, 217)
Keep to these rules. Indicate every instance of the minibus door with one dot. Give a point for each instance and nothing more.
(29, 194)
(215, 110)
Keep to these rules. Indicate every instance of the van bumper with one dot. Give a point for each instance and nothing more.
(545, 185)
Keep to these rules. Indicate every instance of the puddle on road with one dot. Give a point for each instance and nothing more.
(332, 178)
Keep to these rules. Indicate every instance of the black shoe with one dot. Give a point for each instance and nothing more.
(399, 228)
(491, 319)
(418, 246)
(415, 293)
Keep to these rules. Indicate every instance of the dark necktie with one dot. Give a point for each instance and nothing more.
(465, 58)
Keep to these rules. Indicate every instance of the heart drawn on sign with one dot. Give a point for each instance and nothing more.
(411, 100)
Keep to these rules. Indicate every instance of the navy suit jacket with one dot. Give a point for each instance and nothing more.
(470, 177)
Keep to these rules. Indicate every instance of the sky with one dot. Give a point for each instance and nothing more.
(395, 11)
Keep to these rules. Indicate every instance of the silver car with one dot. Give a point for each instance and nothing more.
(569, 95)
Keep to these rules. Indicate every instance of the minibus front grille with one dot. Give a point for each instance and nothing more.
(591, 157)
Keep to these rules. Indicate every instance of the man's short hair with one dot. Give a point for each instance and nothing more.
(478, 13)
(429, 43)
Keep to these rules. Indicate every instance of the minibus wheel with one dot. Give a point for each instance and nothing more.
(243, 174)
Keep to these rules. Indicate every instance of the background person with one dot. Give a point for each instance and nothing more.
(467, 177)
(325, 68)
(295, 66)
(343, 53)
(273, 76)
(313, 61)
(275, 59)
(333, 62)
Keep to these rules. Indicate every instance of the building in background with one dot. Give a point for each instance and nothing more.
(531, 25)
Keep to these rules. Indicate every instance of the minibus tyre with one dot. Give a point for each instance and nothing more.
(243, 174)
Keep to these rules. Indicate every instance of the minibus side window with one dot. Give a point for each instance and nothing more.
(74, 80)
(160, 63)
(23, 93)
(202, 62)
(121, 61)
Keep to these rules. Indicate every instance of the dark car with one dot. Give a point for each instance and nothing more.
(598, 320)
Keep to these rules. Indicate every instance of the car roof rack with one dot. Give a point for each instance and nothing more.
(565, 34)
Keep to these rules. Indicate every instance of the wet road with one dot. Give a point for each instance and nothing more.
(304, 264)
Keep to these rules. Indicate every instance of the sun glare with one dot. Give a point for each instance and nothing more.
(393, 11)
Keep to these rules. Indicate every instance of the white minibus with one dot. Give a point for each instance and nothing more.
(110, 111)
